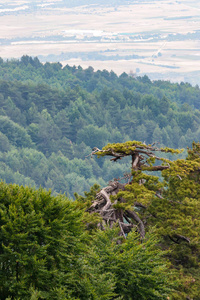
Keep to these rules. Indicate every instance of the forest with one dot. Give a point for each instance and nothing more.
(52, 116)
(137, 240)
(126, 150)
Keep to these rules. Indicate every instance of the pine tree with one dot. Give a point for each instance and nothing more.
(171, 204)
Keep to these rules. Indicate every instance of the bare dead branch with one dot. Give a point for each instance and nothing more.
(95, 150)
(106, 197)
(106, 211)
(127, 219)
(158, 168)
(134, 216)
(116, 158)
(159, 195)
(122, 231)
(104, 207)
(135, 162)
(183, 238)
(177, 237)
(109, 219)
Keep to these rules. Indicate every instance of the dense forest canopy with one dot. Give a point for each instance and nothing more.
(47, 253)
(53, 248)
(52, 116)
(54, 121)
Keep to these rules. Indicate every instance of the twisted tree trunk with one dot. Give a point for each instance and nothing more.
(110, 215)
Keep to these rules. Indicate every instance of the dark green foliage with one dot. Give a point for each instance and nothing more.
(16, 134)
(46, 253)
(39, 235)
(138, 269)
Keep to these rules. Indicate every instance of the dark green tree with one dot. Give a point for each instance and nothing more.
(39, 236)
(44, 251)
(139, 271)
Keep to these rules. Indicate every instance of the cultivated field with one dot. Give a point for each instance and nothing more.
(160, 38)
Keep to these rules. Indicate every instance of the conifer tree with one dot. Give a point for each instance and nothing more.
(171, 204)
(43, 249)
(122, 202)
(177, 218)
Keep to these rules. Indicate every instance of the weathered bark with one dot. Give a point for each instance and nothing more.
(159, 168)
(135, 161)
(110, 215)
(106, 197)
(177, 238)
(133, 215)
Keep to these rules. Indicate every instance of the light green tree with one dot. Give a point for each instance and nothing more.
(171, 204)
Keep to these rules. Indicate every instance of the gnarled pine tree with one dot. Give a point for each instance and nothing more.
(121, 202)
(171, 204)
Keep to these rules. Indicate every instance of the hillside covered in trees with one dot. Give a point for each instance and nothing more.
(52, 116)
(137, 240)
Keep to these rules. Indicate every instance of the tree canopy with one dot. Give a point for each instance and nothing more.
(60, 113)
(46, 252)
(171, 203)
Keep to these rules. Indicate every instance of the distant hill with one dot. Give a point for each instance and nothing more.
(51, 117)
